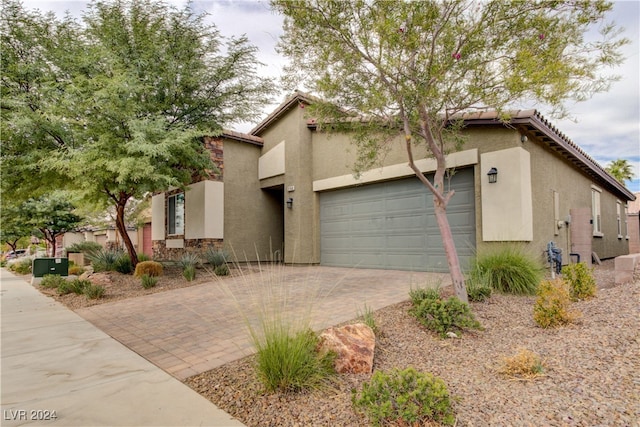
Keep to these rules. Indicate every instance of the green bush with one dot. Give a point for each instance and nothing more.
(582, 284)
(222, 270)
(216, 257)
(189, 273)
(75, 286)
(52, 281)
(143, 257)
(76, 270)
(123, 264)
(104, 259)
(509, 269)
(21, 267)
(404, 397)
(188, 262)
(93, 291)
(443, 316)
(553, 305)
(477, 289)
(150, 268)
(289, 362)
(420, 294)
(148, 281)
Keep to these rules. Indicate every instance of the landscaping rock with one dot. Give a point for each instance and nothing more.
(354, 346)
(101, 279)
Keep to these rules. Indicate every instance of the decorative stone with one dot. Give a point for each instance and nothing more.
(452, 334)
(354, 346)
(100, 279)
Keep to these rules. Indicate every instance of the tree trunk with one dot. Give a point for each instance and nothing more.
(450, 250)
(122, 229)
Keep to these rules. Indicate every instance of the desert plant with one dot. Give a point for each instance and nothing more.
(93, 291)
(216, 257)
(289, 361)
(52, 281)
(104, 259)
(188, 262)
(221, 270)
(21, 267)
(75, 286)
(579, 277)
(148, 281)
(404, 397)
(443, 316)
(123, 264)
(509, 269)
(525, 365)
(477, 289)
(76, 270)
(150, 268)
(143, 257)
(369, 319)
(553, 305)
(418, 295)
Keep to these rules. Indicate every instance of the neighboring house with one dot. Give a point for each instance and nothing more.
(286, 191)
(633, 224)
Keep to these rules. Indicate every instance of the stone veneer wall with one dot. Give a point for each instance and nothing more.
(197, 246)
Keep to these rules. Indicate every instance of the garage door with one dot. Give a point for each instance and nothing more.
(391, 225)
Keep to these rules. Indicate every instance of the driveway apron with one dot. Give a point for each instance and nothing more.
(192, 330)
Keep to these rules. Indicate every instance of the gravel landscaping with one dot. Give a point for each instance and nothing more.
(591, 373)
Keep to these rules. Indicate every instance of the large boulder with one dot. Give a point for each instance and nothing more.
(354, 346)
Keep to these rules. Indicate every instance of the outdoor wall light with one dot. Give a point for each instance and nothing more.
(493, 175)
(290, 202)
(523, 138)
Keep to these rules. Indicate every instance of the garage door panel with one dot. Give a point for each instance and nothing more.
(391, 225)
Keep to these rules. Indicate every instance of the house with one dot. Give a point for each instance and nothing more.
(287, 191)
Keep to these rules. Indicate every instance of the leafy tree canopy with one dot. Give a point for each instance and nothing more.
(621, 170)
(115, 106)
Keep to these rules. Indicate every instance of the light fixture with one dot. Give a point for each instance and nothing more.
(290, 202)
(523, 138)
(493, 175)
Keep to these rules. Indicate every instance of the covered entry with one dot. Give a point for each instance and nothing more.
(391, 225)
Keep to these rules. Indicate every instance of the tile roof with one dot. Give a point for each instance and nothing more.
(242, 137)
(297, 98)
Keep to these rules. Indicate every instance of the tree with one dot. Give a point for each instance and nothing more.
(13, 227)
(621, 170)
(385, 68)
(116, 107)
(52, 215)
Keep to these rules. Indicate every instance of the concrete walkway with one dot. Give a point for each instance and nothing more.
(54, 363)
(192, 330)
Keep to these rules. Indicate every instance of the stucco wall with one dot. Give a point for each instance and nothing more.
(252, 216)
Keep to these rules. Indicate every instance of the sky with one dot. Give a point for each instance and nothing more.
(607, 126)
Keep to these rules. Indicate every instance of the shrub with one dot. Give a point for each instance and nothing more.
(52, 281)
(76, 270)
(289, 361)
(189, 273)
(21, 267)
(404, 397)
(188, 263)
(216, 257)
(104, 259)
(525, 364)
(420, 294)
(477, 289)
(143, 257)
(75, 286)
(93, 291)
(443, 316)
(509, 269)
(553, 305)
(582, 284)
(222, 270)
(123, 264)
(149, 268)
(148, 281)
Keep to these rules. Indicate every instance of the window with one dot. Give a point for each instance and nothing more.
(596, 218)
(619, 217)
(175, 214)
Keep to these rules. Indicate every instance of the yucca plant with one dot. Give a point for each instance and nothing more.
(508, 268)
(188, 262)
(216, 257)
(104, 259)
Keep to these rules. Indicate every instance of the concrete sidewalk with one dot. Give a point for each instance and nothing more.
(54, 363)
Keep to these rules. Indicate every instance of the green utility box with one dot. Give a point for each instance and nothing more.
(42, 266)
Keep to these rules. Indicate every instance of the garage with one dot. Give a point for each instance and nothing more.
(391, 225)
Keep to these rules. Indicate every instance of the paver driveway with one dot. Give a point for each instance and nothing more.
(192, 330)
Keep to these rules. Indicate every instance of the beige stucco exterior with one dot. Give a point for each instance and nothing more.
(286, 158)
